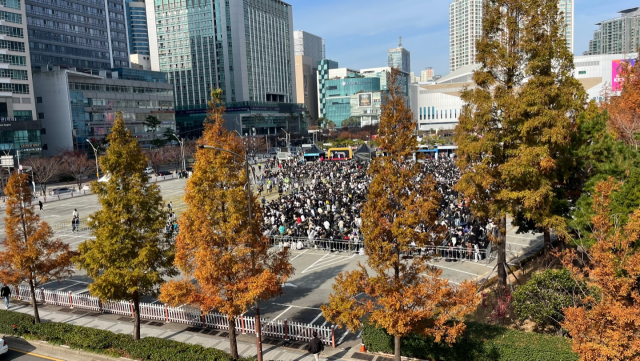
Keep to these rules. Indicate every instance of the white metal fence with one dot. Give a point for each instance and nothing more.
(157, 312)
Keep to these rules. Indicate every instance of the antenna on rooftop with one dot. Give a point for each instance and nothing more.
(400, 42)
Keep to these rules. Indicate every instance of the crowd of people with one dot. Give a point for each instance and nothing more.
(320, 202)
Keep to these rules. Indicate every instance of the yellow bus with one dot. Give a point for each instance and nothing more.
(340, 153)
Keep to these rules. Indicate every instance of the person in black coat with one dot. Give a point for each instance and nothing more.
(5, 292)
(316, 346)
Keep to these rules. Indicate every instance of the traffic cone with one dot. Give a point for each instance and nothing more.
(363, 348)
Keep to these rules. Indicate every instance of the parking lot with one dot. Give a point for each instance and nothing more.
(315, 269)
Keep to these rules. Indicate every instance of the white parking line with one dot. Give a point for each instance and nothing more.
(316, 262)
(331, 261)
(294, 306)
(343, 336)
(315, 319)
(298, 256)
(283, 312)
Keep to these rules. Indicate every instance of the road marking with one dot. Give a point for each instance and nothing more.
(343, 336)
(316, 262)
(325, 322)
(298, 256)
(83, 291)
(359, 334)
(289, 285)
(316, 319)
(294, 306)
(34, 354)
(283, 312)
(336, 259)
(454, 269)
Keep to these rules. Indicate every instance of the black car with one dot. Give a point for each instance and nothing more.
(163, 173)
(62, 190)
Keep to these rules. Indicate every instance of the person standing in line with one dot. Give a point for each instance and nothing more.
(316, 346)
(5, 292)
(170, 206)
(41, 205)
(73, 220)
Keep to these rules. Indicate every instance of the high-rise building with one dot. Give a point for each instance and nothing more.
(309, 45)
(78, 33)
(309, 50)
(567, 11)
(617, 36)
(138, 35)
(244, 48)
(400, 58)
(427, 75)
(465, 27)
(19, 131)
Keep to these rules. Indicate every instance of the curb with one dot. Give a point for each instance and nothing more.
(47, 349)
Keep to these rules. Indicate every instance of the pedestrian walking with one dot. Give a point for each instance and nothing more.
(170, 206)
(5, 292)
(75, 221)
(41, 205)
(315, 346)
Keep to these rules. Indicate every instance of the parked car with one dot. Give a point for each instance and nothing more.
(163, 173)
(86, 187)
(148, 170)
(4, 348)
(62, 190)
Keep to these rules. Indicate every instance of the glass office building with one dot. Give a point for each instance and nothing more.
(339, 94)
(137, 23)
(243, 47)
(400, 58)
(89, 34)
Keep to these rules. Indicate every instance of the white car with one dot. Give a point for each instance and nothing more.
(4, 348)
(148, 170)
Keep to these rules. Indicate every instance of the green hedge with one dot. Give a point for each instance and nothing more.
(107, 342)
(479, 342)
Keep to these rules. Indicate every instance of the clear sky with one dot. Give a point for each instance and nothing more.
(358, 33)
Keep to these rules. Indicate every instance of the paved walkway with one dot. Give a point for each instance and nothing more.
(273, 349)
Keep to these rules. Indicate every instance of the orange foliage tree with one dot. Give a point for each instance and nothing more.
(227, 256)
(30, 254)
(624, 110)
(400, 296)
(606, 327)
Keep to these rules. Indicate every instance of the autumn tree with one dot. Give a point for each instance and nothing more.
(624, 110)
(226, 260)
(77, 165)
(153, 123)
(30, 253)
(157, 157)
(44, 169)
(608, 328)
(401, 296)
(130, 254)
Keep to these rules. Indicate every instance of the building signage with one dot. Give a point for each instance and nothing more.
(4, 119)
(345, 83)
(364, 100)
(35, 145)
(616, 70)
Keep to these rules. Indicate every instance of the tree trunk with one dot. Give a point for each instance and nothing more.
(502, 251)
(36, 315)
(233, 344)
(136, 316)
(547, 242)
(396, 349)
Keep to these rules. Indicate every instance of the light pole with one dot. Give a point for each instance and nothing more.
(184, 165)
(95, 151)
(248, 186)
(287, 138)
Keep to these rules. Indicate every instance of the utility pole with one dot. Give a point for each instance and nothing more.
(181, 142)
(95, 151)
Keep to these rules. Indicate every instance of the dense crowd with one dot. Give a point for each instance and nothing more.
(320, 202)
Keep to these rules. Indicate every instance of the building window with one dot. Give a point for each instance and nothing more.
(40, 115)
(581, 72)
(38, 100)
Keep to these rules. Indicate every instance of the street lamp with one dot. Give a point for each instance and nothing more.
(95, 151)
(287, 138)
(184, 165)
(248, 189)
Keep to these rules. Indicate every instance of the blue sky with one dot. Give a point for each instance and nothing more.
(358, 33)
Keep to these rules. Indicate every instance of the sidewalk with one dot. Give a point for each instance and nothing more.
(273, 349)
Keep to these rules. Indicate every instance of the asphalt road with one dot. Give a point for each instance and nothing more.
(23, 356)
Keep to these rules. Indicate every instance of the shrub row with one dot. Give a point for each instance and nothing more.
(106, 342)
(479, 342)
